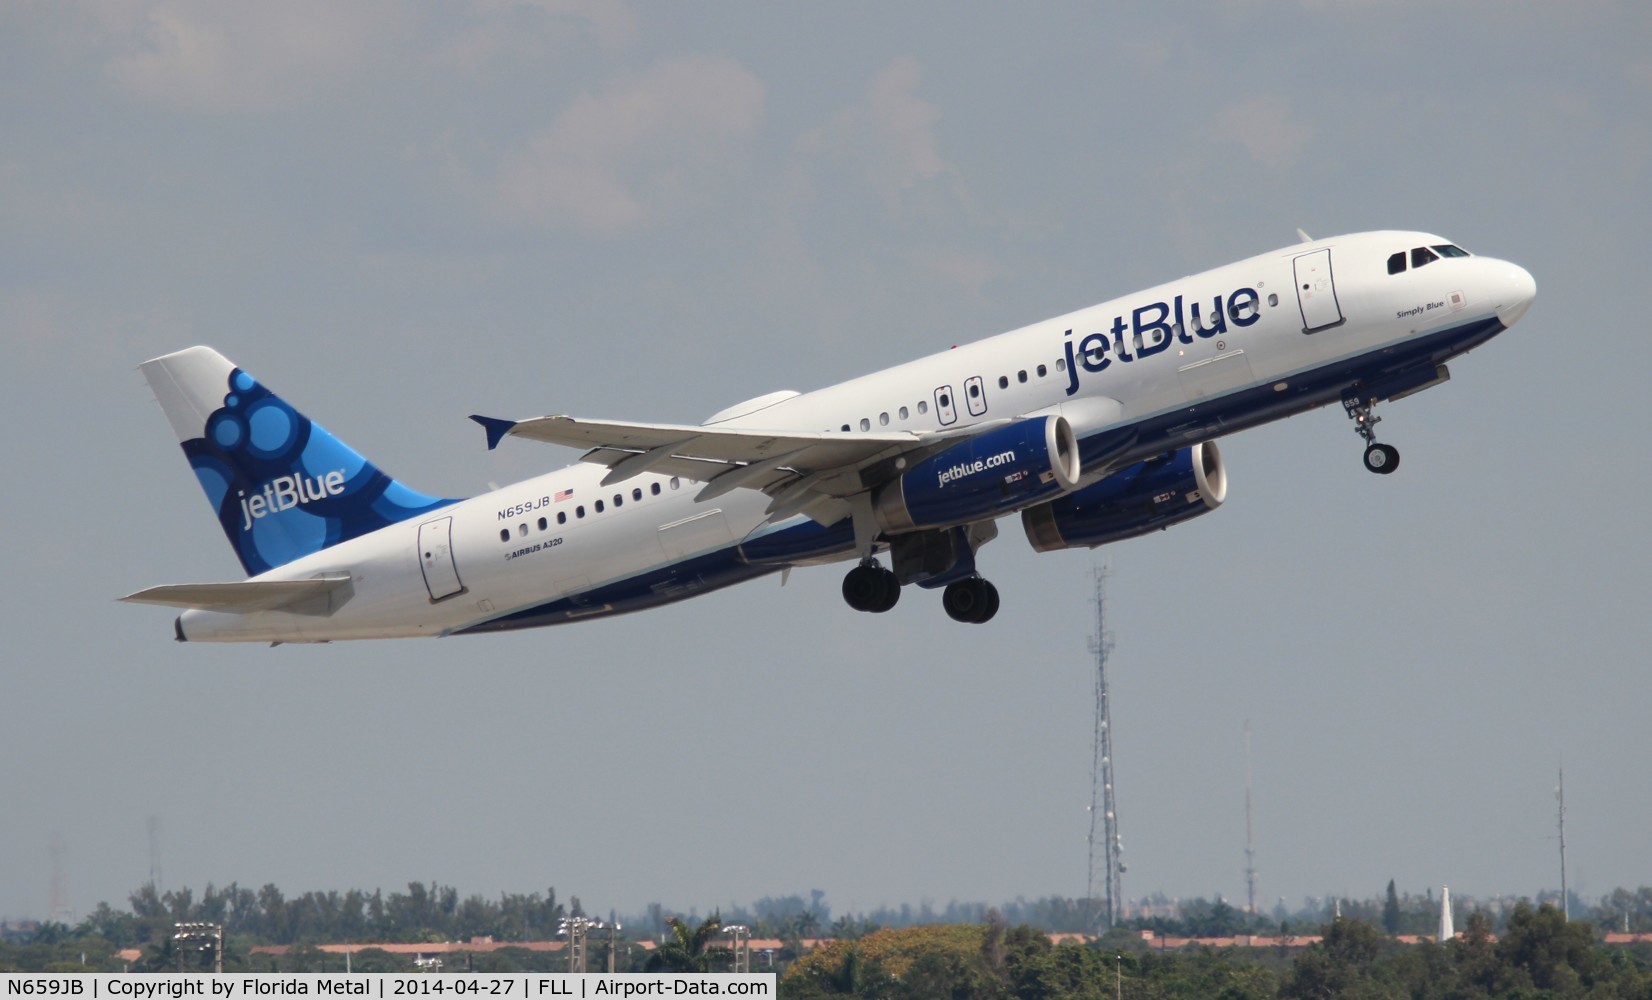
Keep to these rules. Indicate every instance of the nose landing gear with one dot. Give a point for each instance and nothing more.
(1379, 458)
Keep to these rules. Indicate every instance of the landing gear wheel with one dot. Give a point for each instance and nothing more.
(870, 587)
(973, 601)
(1379, 458)
(1382, 458)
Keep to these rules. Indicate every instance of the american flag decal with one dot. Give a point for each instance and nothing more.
(562, 495)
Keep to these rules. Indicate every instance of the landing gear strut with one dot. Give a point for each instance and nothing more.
(1379, 458)
(870, 587)
(972, 600)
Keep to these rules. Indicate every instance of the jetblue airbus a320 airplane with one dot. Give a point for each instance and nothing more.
(1094, 426)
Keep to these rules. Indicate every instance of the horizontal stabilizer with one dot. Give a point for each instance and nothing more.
(496, 428)
(320, 596)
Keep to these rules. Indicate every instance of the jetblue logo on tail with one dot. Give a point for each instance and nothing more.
(287, 492)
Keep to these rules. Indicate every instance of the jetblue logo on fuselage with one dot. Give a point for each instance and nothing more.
(1152, 328)
(286, 492)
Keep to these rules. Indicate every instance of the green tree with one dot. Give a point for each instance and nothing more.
(690, 949)
(1391, 911)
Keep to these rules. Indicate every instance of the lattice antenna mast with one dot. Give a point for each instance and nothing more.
(1250, 840)
(1560, 798)
(60, 888)
(155, 852)
(1106, 864)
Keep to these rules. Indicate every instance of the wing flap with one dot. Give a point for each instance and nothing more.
(320, 596)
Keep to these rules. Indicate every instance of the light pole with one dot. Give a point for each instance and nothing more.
(742, 946)
(576, 928)
(199, 937)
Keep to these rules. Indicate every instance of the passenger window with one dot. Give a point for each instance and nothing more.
(923, 406)
(883, 419)
(504, 534)
(1421, 256)
(1273, 300)
(599, 506)
(674, 483)
(1021, 376)
(845, 428)
(561, 517)
(522, 529)
(1060, 364)
(543, 524)
(904, 413)
(865, 424)
(654, 488)
(636, 494)
(579, 511)
(1042, 371)
(975, 390)
(1396, 263)
(1003, 381)
(619, 499)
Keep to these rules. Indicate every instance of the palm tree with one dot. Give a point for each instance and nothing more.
(690, 950)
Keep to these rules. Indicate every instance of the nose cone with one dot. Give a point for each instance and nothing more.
(1516, 295)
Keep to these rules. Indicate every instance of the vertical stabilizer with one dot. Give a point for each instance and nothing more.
(281, 486)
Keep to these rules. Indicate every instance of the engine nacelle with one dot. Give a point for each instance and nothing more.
(991, 473)
(1145, 497)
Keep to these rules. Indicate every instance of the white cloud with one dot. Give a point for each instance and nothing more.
(889, 135)
(200, 55)
(643, 148)
(527, 29)
(1264, 127)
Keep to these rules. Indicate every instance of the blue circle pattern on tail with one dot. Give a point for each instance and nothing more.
(283, 487)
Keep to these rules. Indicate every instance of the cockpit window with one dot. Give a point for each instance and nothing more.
(1396, 263)
(1450, 250)
(1421, 256)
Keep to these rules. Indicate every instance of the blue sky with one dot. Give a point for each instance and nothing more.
(396, 214)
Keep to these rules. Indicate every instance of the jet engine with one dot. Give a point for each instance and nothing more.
(1147, 496)
(983, 476)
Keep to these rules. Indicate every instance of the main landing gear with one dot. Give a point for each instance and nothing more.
(972, 600)
(1379, 458)
(870, 587)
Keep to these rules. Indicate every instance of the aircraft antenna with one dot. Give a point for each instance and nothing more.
(1106, 865)
(1250, 841)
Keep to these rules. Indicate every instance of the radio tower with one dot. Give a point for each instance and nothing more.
(60, 889)
(1106, 866)
(1250, 842)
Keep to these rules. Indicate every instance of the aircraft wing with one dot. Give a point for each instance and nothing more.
(797, 468)
(320, 596)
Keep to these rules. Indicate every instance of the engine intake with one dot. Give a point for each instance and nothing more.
(983, 476)
(1147, 496)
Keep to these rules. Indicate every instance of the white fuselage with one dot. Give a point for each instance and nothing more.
(1185, 361)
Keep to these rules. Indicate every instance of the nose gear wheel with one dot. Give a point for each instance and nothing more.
(1379, 458)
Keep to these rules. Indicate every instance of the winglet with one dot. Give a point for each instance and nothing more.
(496, 427)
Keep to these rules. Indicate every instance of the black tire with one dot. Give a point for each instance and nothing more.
(969, 600)
(891, 593)
(863, 587)
(991, 606)
(1382, 459)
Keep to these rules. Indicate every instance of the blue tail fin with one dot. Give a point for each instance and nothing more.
(281, 486)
